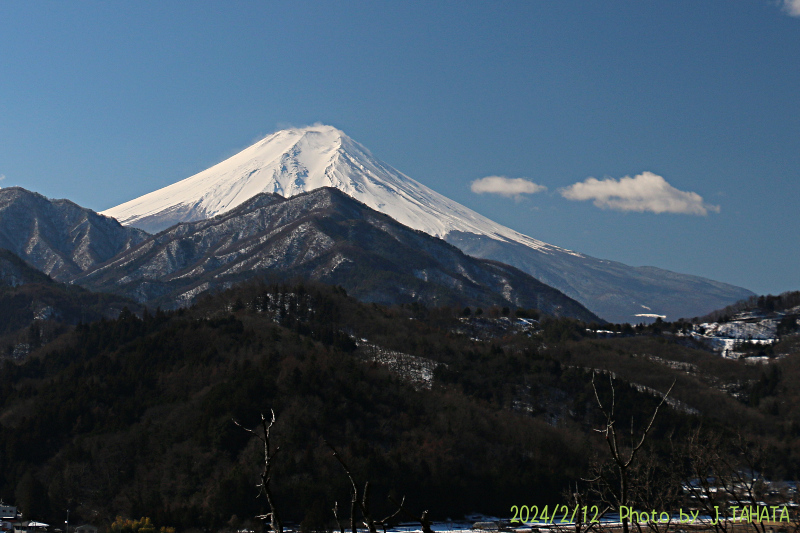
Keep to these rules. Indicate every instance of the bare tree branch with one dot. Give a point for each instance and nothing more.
(336, 515)
(269, 455)
(364, 505)
(619, 496)
(385, 521)
(423, 519)
(650, 425)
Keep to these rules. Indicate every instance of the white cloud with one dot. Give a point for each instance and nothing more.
(2, 177)
(644, 192)
(504, 186)
(792, 7)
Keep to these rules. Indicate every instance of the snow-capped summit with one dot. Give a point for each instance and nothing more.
(297, 160)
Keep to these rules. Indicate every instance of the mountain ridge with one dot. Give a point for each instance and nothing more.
(297, 160)
(324, 235)
(59, 237)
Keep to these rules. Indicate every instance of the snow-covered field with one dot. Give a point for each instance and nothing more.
(747, 328)
(762, 330)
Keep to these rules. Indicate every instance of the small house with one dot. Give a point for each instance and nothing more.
(29, 526)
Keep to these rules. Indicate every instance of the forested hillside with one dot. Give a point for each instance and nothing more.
(787, 301)
(134, 416)
(35, 309)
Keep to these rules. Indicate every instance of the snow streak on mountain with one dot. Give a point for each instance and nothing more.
(298, 160)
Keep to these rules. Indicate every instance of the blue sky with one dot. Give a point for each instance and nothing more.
(103, 102)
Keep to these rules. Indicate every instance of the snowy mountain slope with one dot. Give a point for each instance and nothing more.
(298, 160)
(324, 235)
(293, 161)
(58, 237)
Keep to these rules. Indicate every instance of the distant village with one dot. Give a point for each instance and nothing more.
(11, 521)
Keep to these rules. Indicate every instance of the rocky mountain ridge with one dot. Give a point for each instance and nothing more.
(59, 237)
(322, 235)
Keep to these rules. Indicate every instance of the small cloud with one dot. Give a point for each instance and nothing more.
(645, 192)
(791, 7)
(2, 177)
(508, 187)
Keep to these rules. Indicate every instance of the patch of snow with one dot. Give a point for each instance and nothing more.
(762, 330)
(417, 370)
(726, 337)
(189, 295)
(44, 313)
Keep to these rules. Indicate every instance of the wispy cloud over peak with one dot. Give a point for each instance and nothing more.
(645, 192)
(508, 187)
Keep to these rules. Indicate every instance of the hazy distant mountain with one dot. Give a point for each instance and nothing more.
(59, 237)
(613, 288)
(323, 235)
(297, 160)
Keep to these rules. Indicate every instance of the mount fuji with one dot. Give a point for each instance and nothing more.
(294, 161)
(298, 160)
